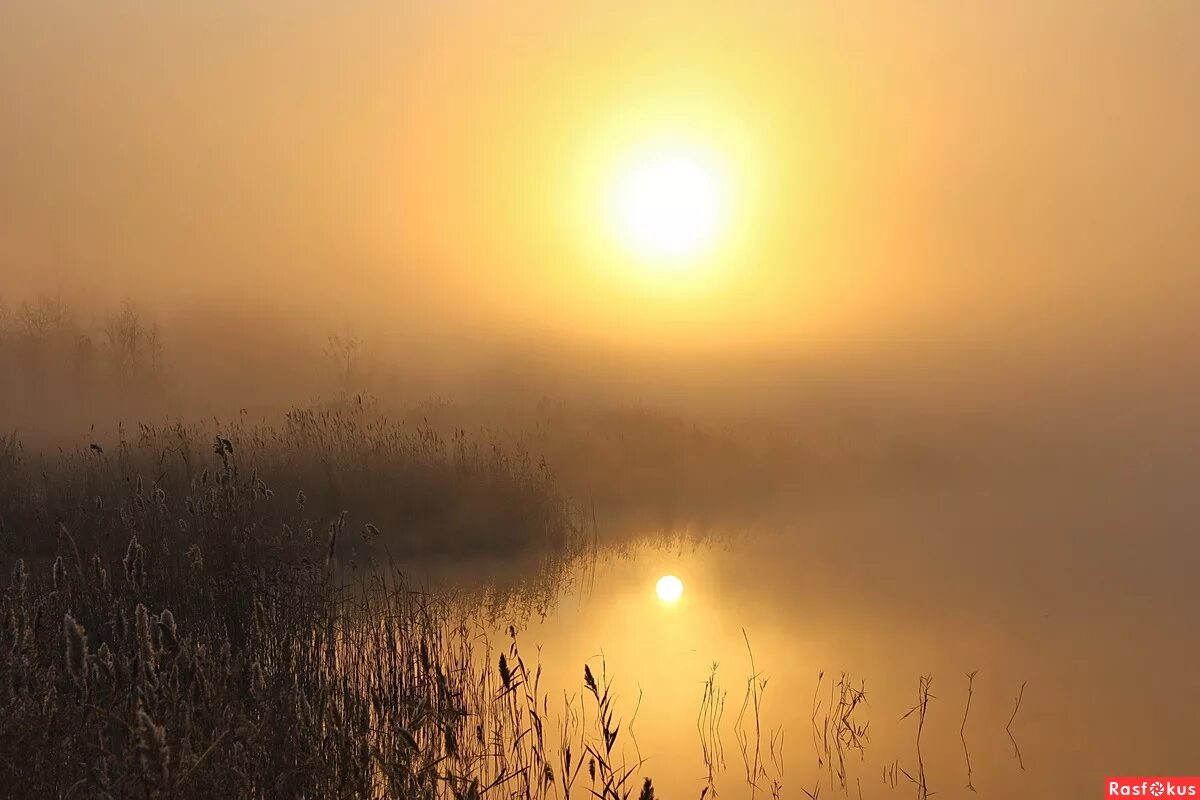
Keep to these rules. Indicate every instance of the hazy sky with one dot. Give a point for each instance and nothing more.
(1014, 177)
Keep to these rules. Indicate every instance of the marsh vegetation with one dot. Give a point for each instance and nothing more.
(444, 599)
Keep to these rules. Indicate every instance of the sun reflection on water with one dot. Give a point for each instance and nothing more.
(669, 589)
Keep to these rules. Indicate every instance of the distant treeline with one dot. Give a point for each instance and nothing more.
(63, 371)
(62, 366)
(49, 354)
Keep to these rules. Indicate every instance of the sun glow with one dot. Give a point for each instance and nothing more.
(669, 205)
(669, 589)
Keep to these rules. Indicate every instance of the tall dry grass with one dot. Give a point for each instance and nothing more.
(189, 612)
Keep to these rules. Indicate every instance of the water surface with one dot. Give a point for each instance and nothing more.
(1076, 588)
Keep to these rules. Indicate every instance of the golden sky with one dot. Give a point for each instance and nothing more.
(896, 169)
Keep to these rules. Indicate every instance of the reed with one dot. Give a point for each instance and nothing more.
(218, 610)
(241, 655)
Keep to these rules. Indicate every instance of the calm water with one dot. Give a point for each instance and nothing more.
(1079, 589)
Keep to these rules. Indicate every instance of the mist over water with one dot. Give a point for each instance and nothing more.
(1064, 585)
(928, 411)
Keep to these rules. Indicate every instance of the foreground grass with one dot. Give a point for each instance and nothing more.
(189, 614)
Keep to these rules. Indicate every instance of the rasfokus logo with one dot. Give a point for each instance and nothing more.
(1156, 786)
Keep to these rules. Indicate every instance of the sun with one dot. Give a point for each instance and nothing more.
(669, 589)
(670, 204)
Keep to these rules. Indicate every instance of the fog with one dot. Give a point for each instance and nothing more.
(969, 219)
(941, 364)
(964, 229)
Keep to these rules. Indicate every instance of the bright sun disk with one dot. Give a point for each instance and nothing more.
(670, 205)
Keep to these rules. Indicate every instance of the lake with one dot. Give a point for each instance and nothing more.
(1078, 588)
